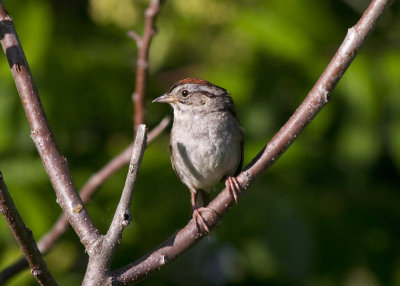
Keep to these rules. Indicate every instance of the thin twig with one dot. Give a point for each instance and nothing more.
(100, 257)
(318, 97)
(87, 192)
(143, 44)
(135, 36)
(54, 162)
(24, 237)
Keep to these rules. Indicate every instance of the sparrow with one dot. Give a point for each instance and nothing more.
(206, 141)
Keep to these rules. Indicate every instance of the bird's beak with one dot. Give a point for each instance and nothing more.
(165, 98)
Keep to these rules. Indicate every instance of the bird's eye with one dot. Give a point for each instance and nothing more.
(185, 92)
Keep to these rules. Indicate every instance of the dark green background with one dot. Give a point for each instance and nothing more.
(327, 213)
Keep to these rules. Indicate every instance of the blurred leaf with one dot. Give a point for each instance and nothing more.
(361, 277)
(34, 26)
(260, 259)
(121, 13)
(358, 143)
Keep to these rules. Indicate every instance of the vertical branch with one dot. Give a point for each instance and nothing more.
(122, 215)
(100, 257)
(143, 44)
(24, 237)
(54, 162)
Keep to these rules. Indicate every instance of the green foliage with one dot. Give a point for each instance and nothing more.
(327, 213)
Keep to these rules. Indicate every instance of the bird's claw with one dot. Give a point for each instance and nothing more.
(200, 220)
(233, 187)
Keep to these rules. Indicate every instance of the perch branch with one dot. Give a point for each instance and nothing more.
(143, 44)
(100, 257)
(318, 97)
(24, 237)
(54, 162)
(87, 192)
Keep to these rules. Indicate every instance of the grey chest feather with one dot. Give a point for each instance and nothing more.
(205, 148)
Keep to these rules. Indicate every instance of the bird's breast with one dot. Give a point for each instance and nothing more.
(205, 148)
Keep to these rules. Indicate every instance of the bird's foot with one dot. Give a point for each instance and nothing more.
(200, 221)
(233, 187)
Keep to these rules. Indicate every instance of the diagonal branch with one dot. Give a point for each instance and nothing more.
(102, 253)
(54, 162)
(87, 192)
(318, 97)
(24, 237)
(143, 44)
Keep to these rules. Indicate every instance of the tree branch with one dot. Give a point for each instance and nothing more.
(318, 97)
(54, 162)
(122, 215)
(87, 192)
(143, 44)
(100, 257)
(24, 237)
(44, 139)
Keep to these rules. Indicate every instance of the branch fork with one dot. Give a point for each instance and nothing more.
(136, 37)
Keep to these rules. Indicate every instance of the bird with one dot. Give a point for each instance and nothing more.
(206, 141)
